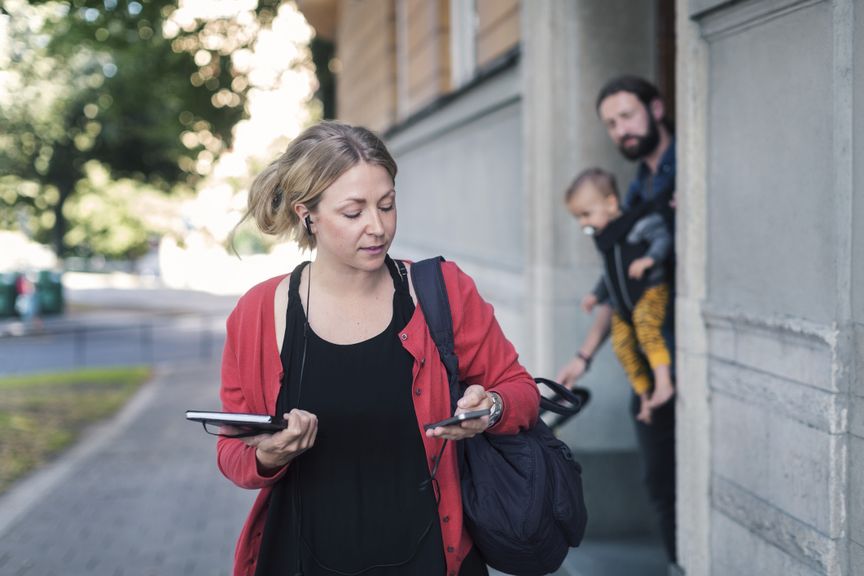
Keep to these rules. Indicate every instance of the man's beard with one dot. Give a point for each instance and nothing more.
(645, 145)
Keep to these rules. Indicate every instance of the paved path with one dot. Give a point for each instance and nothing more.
(139, 496)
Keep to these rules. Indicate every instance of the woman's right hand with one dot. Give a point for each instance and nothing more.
(274, 451)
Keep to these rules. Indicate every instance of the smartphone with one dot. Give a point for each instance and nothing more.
(458, 418)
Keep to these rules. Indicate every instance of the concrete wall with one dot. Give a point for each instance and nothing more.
(779, 269)
(856, 414)
(693, 409)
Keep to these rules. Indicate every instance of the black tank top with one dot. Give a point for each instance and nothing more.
(361, 494)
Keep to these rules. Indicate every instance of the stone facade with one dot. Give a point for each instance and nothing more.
(767, 430)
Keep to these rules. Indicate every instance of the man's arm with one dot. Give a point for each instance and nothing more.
(597, 334)
(654, 231)
(601, 291)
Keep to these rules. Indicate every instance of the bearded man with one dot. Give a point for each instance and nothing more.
(635, 119)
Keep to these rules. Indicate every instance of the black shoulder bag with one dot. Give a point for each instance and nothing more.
(521, 493)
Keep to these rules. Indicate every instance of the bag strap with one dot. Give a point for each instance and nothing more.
(576, 398)
(432, 297)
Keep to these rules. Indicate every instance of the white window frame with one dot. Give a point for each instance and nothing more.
(463, 41)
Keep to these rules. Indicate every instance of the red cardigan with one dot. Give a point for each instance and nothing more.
(252, 373)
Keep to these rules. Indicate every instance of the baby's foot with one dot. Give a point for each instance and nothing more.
(644, 414)
(661, 395)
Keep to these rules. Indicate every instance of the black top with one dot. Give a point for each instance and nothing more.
(617, 255)
(361, 493)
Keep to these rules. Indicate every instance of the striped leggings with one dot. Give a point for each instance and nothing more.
(642, 339)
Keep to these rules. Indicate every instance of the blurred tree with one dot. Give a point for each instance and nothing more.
(116, 218)
(141, 87)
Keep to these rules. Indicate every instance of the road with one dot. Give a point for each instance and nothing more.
(110, 327)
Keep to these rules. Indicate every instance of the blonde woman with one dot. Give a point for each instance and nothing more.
(339, 349)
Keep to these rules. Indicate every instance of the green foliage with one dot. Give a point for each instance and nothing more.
(103, 218)
(121, 82)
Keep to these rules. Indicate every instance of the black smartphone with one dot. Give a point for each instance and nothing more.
(458, 418)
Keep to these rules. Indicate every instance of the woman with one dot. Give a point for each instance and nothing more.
(339, 348)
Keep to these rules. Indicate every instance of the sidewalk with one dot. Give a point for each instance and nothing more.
(139, 496)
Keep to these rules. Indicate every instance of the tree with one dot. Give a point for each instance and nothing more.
(139, 87)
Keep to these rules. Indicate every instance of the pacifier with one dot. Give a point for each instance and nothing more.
(589, 230)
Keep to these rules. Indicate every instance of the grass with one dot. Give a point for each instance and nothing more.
(41, 414)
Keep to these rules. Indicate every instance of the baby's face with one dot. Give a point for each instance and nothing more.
(592, 209)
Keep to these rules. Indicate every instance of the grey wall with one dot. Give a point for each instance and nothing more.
(782, 261)
(856, 415)
(771, 167)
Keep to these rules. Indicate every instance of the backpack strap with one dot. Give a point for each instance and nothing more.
(432, 297)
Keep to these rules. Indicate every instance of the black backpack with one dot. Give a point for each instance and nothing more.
(521, 494)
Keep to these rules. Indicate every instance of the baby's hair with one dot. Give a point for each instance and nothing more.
(604, 182)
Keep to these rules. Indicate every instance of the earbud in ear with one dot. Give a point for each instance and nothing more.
(308, 222)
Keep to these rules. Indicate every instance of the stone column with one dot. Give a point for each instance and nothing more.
(693, 412)
(569, 50)
(778, 300)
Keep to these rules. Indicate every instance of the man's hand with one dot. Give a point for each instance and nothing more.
(588, 303)
(572, 371)
(639, 266)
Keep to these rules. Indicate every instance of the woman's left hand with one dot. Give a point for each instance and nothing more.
(475, 398)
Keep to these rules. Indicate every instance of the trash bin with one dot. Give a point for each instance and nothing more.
(8, 293)
(49, 287)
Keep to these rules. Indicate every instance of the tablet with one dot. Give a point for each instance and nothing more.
(262, 422)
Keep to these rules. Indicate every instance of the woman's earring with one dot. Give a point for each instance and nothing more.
(308, 222)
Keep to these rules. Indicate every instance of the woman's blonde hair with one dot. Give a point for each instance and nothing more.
(311, 163)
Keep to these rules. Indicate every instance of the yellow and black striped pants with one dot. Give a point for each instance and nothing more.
(642, 339)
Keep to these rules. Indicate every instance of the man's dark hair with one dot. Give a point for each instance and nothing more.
(643, 90)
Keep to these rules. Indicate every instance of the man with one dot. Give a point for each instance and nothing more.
(635, 118)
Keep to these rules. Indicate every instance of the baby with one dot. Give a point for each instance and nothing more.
(635, 247)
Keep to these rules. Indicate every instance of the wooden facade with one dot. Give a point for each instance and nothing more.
(497, 29)
(366, 52)
(394, 57)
